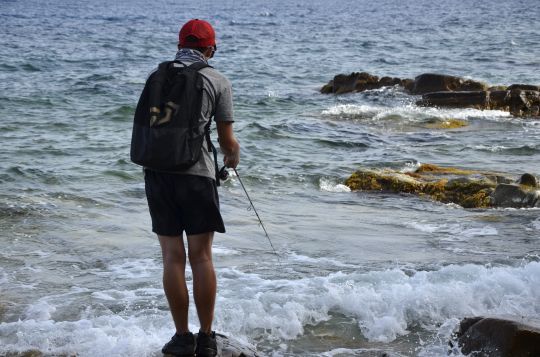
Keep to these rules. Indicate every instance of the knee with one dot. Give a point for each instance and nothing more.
(199, 257)
(174, 257)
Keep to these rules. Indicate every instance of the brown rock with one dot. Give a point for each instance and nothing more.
(524, 102)
(354, 82)
(361, 81)
(408, 84)
(328, 88)
(497, 88)
(430, 82)
(499, 100)
(493, 337)
(508, 195)
(523, 87)
(477, 99)
(389, 81)
(528, 180)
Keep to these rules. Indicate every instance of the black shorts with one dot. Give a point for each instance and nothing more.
(182, 203)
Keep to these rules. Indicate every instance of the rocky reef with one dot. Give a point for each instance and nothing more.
(439, 90)
(467, 188)
(498, 337)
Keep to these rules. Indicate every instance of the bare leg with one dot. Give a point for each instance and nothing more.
(204, 277)
(174, 280)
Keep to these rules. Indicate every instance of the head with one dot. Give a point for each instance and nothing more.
(199, 35)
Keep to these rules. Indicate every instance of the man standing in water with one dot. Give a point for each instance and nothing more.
(188, 201)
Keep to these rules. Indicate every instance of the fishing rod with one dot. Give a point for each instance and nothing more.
(223, 173)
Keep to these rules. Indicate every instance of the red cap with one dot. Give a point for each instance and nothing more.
(199, 29)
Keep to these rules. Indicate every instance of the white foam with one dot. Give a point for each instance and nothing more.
(384, 304)
(491, 148)
(410, 167)
(219, 250)
(131, 269)
(356, 352)
(536, 224)
(40, 311)
(411, 112)
(424, 227)
(330, 186)
(353, 110)
(322, 260)
(455, 230)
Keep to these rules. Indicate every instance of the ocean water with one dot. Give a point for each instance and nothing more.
(360, 274)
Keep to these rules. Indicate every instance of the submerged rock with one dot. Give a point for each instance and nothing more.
(494, 337)
(467, 188)
(29, 353)
(436, 123)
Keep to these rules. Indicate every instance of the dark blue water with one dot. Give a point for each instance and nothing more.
(361, 273)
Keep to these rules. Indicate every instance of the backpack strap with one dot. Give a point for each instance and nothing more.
(197, 66)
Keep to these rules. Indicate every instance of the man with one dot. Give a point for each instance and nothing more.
(187, 201)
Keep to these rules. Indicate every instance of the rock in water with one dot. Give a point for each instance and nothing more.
(430, 82)
(361, 81)
(528, 180)
(467, 188)
(524, 102)
(494, 337)
(515, 196)
(230, 347)
(476, 100)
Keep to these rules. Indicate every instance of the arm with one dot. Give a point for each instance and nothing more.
(228, 144)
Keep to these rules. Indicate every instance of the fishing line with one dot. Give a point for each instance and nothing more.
(257, 214)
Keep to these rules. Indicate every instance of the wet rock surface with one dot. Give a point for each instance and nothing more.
(498, 337)
(230, 347)
(361, 81)
(522, 103)
(467, 188)
(439, 90)
(432, 82)
(227, 347)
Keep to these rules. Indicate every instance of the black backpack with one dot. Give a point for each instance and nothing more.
(168, 130)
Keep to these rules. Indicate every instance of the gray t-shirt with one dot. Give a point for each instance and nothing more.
(217, 104)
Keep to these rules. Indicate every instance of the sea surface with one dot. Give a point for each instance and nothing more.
(360, 273)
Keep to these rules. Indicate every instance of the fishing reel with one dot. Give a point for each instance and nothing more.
(223, 174)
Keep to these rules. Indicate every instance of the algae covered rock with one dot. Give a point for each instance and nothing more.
(496, 337)
(467, 188)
